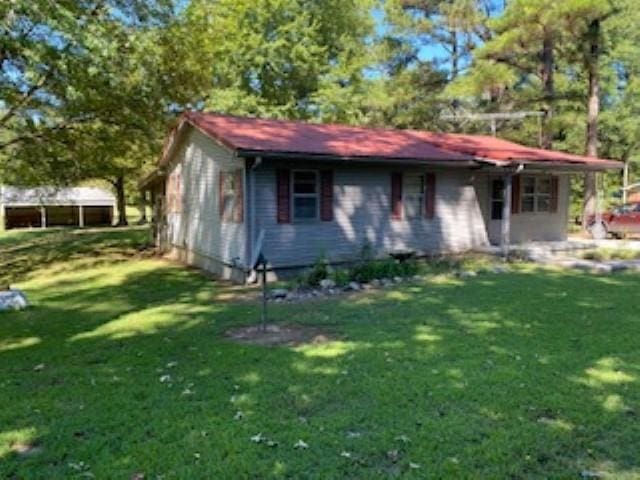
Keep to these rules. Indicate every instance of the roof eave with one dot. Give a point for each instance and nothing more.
(599, 165)
(283, 155)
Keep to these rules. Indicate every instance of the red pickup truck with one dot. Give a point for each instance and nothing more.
(618, 222)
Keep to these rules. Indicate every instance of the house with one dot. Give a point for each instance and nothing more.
(227, 188)
(51, 206)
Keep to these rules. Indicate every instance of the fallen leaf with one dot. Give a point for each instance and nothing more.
(238, 416)
(259, 438)
(345, 454)
(415, 466)
(39, 367)
(301, 444)
(403, 438)
(393, 455)
(165, 378)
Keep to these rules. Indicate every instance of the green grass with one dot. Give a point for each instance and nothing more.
(529, 374)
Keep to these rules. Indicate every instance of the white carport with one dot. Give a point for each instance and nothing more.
(43, 207)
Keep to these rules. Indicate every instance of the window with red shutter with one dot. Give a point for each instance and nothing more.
(515, 194)
(396, 196)
(326, 194)
(231, 196)
(283, 197)
(430, 195)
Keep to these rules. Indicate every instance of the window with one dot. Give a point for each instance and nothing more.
(305, 195)
(413, 195)
(497, 199)
(536, 194)
(174, 193)
(231, 191)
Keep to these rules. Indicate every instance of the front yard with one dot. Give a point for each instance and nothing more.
(121, 369)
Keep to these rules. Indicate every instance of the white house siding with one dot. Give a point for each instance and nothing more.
(362, 213)
(196, 233)
(526, 227)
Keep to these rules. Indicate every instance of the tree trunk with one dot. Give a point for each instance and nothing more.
(593, 106)
(548, 65)
(142, 208)
(454, 55)
(121, 201)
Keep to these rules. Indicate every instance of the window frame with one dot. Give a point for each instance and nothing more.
(537, 194)
(421, 196)
(294, 195)
(493, 200)
(228, 216)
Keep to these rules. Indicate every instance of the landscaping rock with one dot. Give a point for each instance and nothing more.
(499, 269)
(354, 286)
(279, 293)
(397, 279)
(376, 283)
(417, 278)
(327, 284)
(13, 300)
(468, 274)
(386, 282)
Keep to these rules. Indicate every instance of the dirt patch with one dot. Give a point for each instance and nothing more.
(276, 335)
(25, 449)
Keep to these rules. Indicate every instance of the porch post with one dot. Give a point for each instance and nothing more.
(505, 224)
(81, 216)
(43, 217)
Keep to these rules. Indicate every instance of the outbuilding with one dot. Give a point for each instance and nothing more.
(43, 207)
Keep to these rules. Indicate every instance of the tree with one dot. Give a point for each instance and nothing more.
(77, 94)
(284, 58)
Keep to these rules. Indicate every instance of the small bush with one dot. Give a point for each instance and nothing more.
(364, 272)
(341, 277)
(318, 272)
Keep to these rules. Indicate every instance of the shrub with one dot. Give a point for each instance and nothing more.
(318, 272)
(341, 277)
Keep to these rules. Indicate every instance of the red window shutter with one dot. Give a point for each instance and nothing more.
(283, 186)
(238, 207)
(430, 195)
(554, 194)
(326, 196)
(396, 196)
(221, 195)
(515, 194)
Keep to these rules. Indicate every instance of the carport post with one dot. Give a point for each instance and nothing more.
(505, 230)
(80, 216)
(43, 217)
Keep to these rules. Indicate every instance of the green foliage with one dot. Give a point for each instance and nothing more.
(340, 276)
(318, 272)
(284, 58)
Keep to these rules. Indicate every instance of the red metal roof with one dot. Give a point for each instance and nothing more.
(292, 137)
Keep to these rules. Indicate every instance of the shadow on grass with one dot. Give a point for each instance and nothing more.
(528, 374)
(24, 252)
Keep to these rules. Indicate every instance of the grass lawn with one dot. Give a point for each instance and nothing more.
(120, 368)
